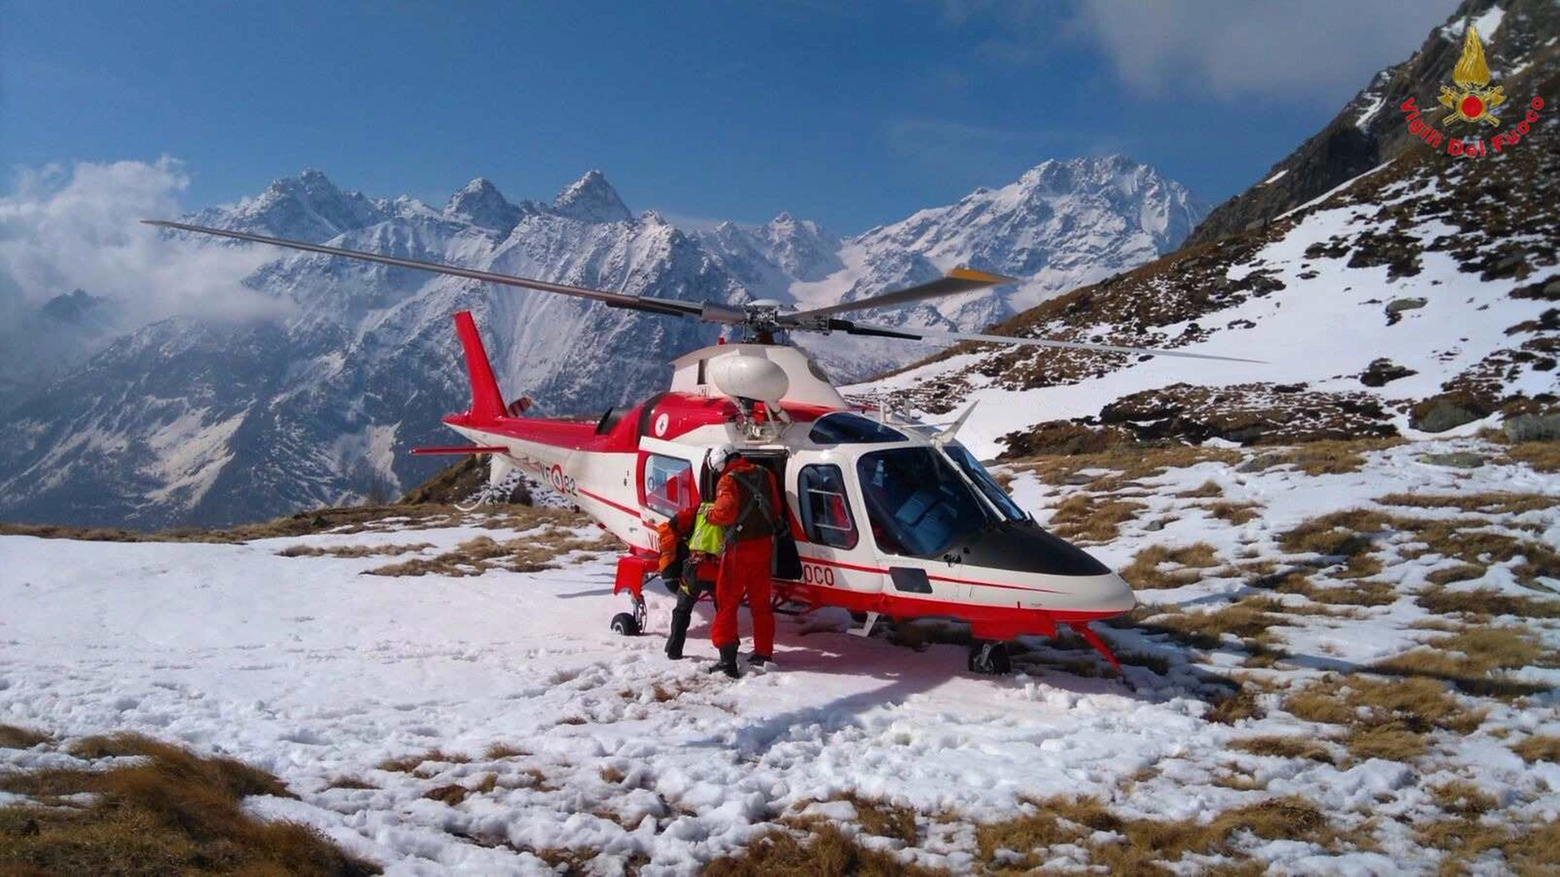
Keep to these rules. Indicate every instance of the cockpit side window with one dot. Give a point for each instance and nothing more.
(845, 428)
(917, 504)
(826, 517)
(982, 479)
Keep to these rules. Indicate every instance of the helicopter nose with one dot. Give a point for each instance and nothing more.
(1115, 595)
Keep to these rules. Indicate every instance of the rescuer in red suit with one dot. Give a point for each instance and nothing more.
(748, 504)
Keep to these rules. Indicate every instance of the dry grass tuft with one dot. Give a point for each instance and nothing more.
(1128, 463)
(1462, 798)
(1463, 572)
(474, 557)
(1148, 842)
(350, 551)
(1538, 456)
(1248, 620)
(454, 793)
(1468, 657)
(346, 782)
(1207, 490)
(883, 818)
(1092, 520)
(1487, 602)
(410, 763)
(503, 750)
(1487, 503)
(1334, 457)
(1338, 534)
(1235, 706)
(14, 737)
(1356, 593)
(613, 775)
(1539, 747)
(1285, 747)
(827, 850)
(1386, 718)
(172, 813)
(1144, 572)
(1235, 513)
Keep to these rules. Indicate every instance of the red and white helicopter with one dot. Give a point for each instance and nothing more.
(888, 516)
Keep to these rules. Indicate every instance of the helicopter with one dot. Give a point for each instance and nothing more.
(886, 515)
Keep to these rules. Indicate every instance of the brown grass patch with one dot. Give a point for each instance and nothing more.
(1487, 503)
(1539, 747)
(410, 763)
(1207, 490)
(530, 553)
(1468, 657)
(1538, 456)
(1235, 513)
(1386, 718)
(1285, 747)
(1236, 706)
(1528, 849)
(14, 737)
(826, 850)
(175, 812)
(1144, 572)
(1128, 463)
(1462, 798)
(350, 551)
(1248, 620)
(1357, 593)
(503, 750)
(1334, 457)
(883, 818)
(1343, 533)
(1148, 842)
(1461, 573)
(1091, 520)
(454, 793)
(1487, 602)
(346, 782)
(613, 775)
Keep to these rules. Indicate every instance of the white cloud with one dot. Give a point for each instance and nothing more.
(1319, 51)
(1278, 48)
(78, 228)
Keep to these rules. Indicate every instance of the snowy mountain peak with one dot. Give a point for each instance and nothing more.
(591, 199)
(307, 207)
(481, 204)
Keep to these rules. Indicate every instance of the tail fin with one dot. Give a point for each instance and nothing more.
(486, 402)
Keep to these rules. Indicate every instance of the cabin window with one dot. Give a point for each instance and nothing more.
(844, 428)
(668, 484)
(982, 479)
(826, 517)
(917, 504)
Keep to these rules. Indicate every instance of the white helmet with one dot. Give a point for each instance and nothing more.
(719, 455)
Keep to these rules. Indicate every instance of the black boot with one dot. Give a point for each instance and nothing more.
(727, 663)
(758, 660)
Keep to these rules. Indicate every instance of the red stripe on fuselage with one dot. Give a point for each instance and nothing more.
(930, 576)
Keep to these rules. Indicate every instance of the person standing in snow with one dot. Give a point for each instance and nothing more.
(690, 546)
(748, 504)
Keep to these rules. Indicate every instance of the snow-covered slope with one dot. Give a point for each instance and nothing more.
(194, 421)
(1420, 297)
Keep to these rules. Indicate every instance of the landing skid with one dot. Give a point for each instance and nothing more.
(990, 658)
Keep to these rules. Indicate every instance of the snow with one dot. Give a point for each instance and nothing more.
(315, 672)
(1276, 177)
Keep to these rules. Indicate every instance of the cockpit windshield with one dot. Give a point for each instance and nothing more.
(982, 479)
(917, 504)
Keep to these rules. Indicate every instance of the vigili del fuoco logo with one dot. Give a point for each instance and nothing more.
(1471, 102)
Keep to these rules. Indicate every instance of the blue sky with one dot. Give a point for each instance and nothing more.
(852, 114)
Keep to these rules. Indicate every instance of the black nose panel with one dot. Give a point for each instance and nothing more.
(1028, 548)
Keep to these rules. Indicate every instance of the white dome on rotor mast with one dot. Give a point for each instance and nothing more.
(755, 371)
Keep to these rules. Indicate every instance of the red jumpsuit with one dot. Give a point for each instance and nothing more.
(744, 568)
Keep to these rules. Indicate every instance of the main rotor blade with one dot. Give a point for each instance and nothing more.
(854, 328)
(958, 280)
(666, 306)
